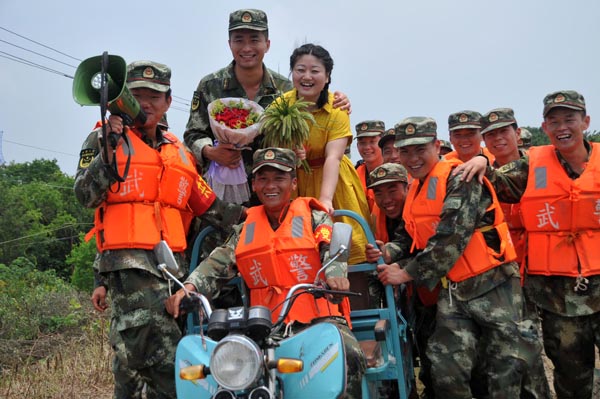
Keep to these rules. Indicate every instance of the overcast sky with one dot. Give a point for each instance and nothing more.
(392, 58)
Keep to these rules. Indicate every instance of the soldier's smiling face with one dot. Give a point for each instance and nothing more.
(248, 47)
(502, 142)
(273, 187)
(368, 148)
(466, 142)
(419, 159)
(564, 127)
(390, 198)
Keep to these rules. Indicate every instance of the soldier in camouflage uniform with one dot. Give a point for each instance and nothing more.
(274, 172)
(485, 302)
(144, 337)
(246, 77)
(524, 139)
(500, 133)
(445, 147)
(465, 136)
(568, 291)
(389, 153)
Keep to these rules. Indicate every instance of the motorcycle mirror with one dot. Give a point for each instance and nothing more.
(165, 257)
(340, 241)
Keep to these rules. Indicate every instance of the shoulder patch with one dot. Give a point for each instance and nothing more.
(323, 233)
(85, 157)
(195, 101)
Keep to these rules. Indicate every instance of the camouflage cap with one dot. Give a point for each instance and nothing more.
(388, 135)
(248, 19)
(497, 118)
(446, 144)
(415, 130)
(279, 158)
(387, 173)
(524, 137)
(370, 129)
(464, 120)
(149, 75)
(566, 99)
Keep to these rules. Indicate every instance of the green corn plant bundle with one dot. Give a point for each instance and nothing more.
(287, 125)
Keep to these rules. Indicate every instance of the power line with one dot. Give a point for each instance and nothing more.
(40, 148)
(178, 108)
(32, 64)
(39, 44)
(64, 226)
(36, 53)
(175, 100)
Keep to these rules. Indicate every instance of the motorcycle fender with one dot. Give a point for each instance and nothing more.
(191, 351)
(321, 349)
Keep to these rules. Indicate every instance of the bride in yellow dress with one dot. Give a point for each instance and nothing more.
(333, 179)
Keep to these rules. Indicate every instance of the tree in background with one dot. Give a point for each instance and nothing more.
(40, 218)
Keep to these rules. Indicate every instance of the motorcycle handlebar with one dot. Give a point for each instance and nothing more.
(316, 290)
(194, 302)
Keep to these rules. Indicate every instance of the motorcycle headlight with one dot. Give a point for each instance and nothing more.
(236, 362)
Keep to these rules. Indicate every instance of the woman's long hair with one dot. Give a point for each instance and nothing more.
(323, 55)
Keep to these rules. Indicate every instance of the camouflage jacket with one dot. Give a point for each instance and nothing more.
(220, 266)
(221, 84)
(552, 293)
(92, 182)
(464, 210)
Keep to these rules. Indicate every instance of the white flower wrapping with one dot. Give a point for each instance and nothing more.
(238, 137)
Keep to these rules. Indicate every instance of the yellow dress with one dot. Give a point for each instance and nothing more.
(332, 124)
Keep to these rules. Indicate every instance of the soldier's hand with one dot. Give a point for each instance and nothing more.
(372, 253)
(223, 154)
(337, 284)
(99, 299)
(172, 302)
(474, 167)
(341, 101)
(115, 124)
(392, 274)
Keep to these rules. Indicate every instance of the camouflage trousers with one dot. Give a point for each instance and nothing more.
(569, 343)
(534, 384)
(355, 363)
(143, 335)
(453, 347)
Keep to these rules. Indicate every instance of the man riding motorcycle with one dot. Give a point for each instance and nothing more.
(300, 230)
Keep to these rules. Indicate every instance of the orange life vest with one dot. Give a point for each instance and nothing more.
(562, 216)
(361, 170)
(422, 214)
(152, 203)
(512, 214)
(379, 220)
(271, 262)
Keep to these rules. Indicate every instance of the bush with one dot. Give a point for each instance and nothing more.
(81, 260)
(33, 302)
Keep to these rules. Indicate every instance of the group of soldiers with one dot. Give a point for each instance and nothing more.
(468, 229)
(496, 240)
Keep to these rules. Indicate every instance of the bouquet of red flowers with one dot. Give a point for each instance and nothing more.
(235, 120)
